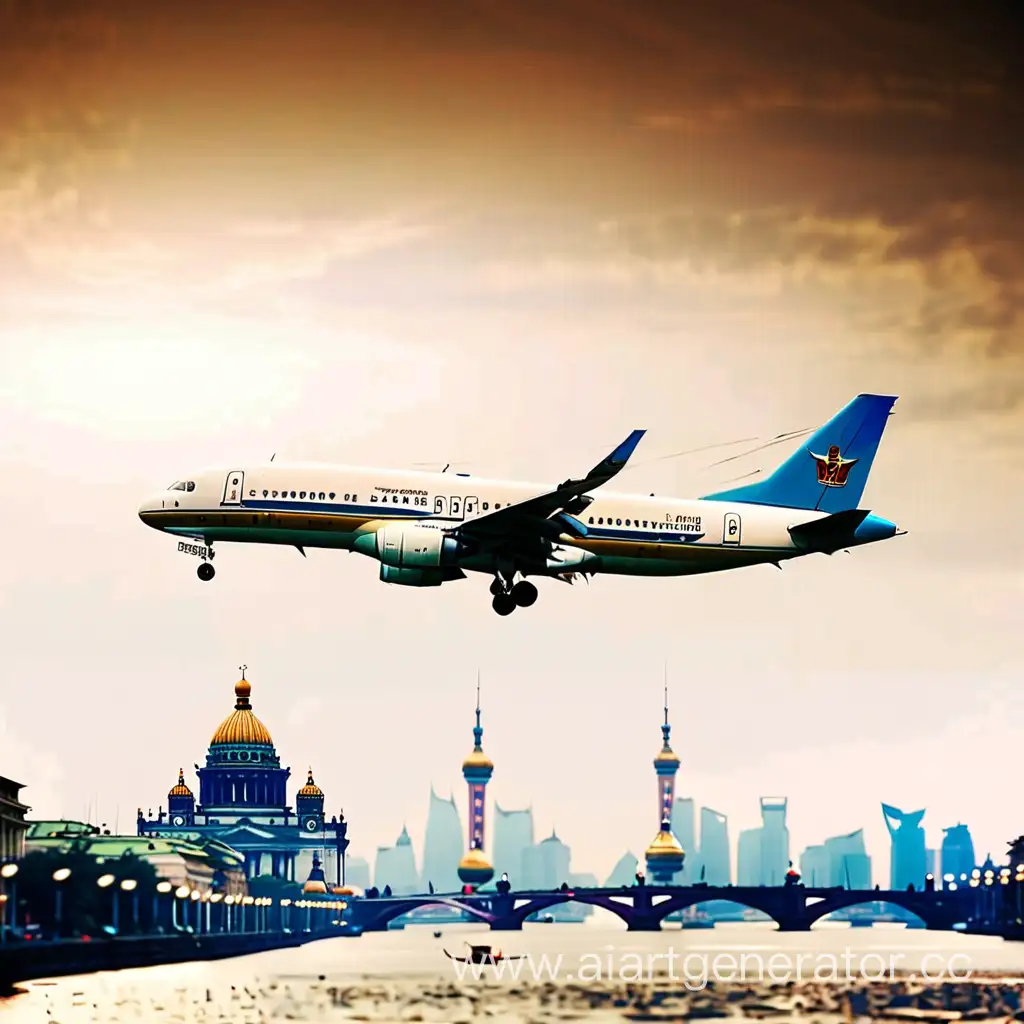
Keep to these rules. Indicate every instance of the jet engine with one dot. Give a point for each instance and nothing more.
(567, 558)
(419, 577)
(410, 546)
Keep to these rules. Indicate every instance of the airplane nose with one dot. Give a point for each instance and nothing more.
(146, 510)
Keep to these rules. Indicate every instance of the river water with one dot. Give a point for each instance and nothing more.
(291, 984)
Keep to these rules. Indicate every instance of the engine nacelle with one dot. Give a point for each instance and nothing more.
(408, 546)
(412, 577)
(566, 558)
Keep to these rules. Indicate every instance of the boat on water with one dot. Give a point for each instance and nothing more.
(481, 955)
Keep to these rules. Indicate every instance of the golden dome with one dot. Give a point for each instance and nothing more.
(477, 759)
(310, 788)
(665, 846)
(315, 887)
(180, 789)
(242, 726)
(475, 868)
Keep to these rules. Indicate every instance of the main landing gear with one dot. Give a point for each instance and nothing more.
(508, 597)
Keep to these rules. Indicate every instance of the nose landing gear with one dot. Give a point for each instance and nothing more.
(206, 571)
(507, 597)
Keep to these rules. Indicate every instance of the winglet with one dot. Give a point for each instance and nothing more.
(606, 468)
(620, 456)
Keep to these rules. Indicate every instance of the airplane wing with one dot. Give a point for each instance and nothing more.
(545, 516)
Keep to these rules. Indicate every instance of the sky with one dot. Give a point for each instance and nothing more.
(502, 236)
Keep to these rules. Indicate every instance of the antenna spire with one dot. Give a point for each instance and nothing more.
(478, 731)
(242, 668)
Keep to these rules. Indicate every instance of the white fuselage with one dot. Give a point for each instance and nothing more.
(315, 505)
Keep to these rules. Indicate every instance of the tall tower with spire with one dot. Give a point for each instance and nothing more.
(474, 868)
(665, 855)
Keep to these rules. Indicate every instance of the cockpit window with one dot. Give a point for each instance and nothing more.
(178, 485)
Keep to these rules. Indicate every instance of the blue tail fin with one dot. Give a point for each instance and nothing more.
(828, 474)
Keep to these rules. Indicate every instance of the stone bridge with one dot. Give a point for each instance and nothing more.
(643, 908)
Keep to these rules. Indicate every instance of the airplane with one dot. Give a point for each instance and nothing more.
(430, 528)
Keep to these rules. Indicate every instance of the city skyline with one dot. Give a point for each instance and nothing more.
(379, 235)
(878, 852)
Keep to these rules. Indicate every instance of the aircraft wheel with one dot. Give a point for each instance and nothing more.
(497, 587)
(524, 594)
(503, 604)
(206, 571)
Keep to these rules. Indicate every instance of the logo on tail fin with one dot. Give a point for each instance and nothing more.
(833, 469)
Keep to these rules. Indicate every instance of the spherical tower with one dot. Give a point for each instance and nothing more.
(475, 869)
(665, 855)
(181, 804)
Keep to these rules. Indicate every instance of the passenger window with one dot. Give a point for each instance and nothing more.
(600, 521)
(618, 522)
(191, 485)
(265, 493)
(591, 520)
(321, 495)
(497, 504)
(645, 524)
(627, 522)
(331, 495)
(302, 494)
(273, 494)
(487, 505)
(293, 494)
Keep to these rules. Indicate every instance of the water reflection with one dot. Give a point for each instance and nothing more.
(298, 983)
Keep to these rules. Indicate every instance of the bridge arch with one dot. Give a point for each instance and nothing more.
(674, 904)
(538, 904)
(931, 912)
(390, 910)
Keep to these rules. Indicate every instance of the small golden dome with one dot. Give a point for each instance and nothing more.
(310, 788)
(665, 846)
(315, 887)
(666, 756)
(477, 759)
(179, 789)
(475, 868)
(242, 726)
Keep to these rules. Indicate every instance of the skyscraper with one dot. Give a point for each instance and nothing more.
(849, 865)
(513, 835)
(748, 857)
(684, 828)
(715, 851)
(474, 868)
(665, 856)
(958, 857)
(442, 846)
(909, 858)
(774, 841)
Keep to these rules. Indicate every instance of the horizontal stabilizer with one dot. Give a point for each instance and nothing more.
(830, 534)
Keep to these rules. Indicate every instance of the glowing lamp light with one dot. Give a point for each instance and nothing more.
(182, 892)
(8, 871)
(105, 881)
(129, 884)
(163, 887)
(63, 874)
(196, 894)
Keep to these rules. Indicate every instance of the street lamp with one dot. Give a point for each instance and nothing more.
(8, 873)
(130, 885)
(60, 875)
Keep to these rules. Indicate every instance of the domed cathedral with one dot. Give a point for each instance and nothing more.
(243, 802)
